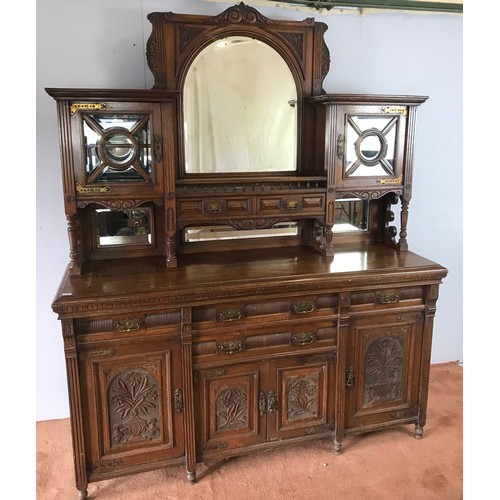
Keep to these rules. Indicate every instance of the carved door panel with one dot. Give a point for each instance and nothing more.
(231, 411)
(383, 369)
(302, 399)
(132, 402)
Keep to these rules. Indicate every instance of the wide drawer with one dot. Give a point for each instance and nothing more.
(263, 312)
(284, 339)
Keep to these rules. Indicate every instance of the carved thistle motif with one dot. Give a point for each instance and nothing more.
(383, 370)
(232, 409)
(134, 410)
(302, 398)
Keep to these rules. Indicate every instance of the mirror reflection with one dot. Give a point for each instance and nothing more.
(221, 232)
(127, 227)
(351, 214)
(370, 146)
(240, 110)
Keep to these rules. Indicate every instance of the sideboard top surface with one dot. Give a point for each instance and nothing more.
(223, 276)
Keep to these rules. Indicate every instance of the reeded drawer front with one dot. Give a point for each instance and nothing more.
(387, 299)
(240, 342)
(248, 313)
(139, 322)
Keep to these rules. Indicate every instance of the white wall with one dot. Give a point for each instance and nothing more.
(95, 44)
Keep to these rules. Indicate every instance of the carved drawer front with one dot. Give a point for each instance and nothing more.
(291, 204)
(264, 342)
(132, 404)
(126, 325)
(263, 312)
(210, 208)
(387, 299)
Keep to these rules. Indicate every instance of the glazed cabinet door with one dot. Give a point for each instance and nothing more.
(117, 148)
(132, 404)
(383, 369)
(230, 407)
(301, 397)
(369, 149)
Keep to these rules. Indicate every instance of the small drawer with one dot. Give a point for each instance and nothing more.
(387, 299)
(291, 204)
(213, 207)
(128, 323)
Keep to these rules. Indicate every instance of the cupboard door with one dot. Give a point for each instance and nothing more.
(370, 146)
(132, 400)
(230, 407)
(118, 148)
(302, 399)
(383, 369)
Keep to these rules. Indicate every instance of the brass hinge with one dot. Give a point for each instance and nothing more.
(86, 105)
(158, 148)
(81, 189)
(402, 110)
(340, 146)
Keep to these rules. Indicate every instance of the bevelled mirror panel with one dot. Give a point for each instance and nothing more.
(123, 227)
(370, 146)
(240, 110)
(117, 147)
(351, 215)
(223, 232)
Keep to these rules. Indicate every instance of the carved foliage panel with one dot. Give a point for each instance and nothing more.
(385, 365)
(132, 404)
(228, 399)
(303, 399)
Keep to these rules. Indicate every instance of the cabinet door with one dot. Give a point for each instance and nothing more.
(230, 407)
(131, 402)
(117, 148)
(383, 369)
(301, 397)
(370, 146)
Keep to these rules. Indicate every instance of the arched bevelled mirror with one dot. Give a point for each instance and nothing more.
(240, 110)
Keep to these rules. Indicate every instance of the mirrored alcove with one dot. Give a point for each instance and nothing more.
(351, 215)
(240, 110)
(123, 227)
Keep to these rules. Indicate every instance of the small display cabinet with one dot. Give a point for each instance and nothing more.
(239, 275)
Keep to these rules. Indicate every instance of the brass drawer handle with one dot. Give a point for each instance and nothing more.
(232, 347)
(214, 208)
(128, 325)
(387, 298)
(303, 338)
(291, 204)
(303, 307)
(230, 314)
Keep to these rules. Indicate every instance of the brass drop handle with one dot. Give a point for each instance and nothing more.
(232, 347)
(272, 401)
(303, 338)
(303, 307)
(214, 208)
(230, 314)
(128, 325)
(291, 204)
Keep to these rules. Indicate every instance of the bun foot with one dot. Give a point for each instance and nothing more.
(82, 494)
(337, 448)
(191, 477)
